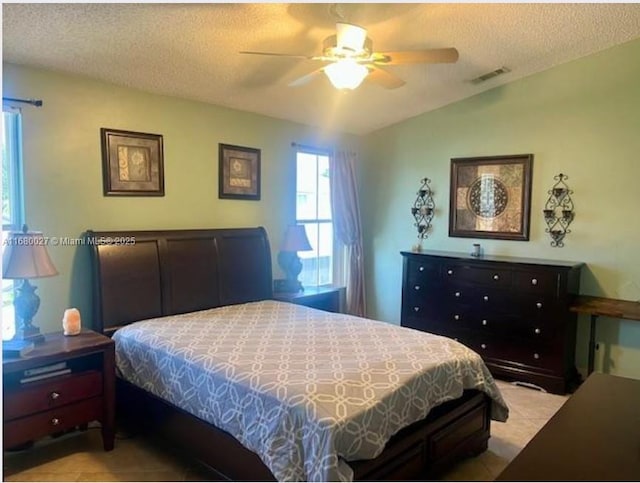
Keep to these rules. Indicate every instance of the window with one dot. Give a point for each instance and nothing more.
(12, 204)
(313, 210)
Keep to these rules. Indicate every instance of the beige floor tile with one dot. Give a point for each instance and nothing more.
(132, 476)
(494, 462)
(200, 473)
(35, 476)
(532, 404)
(468, 470)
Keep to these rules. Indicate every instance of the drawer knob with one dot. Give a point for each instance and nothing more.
(416, 309)
(539, 305)
(54, 395)
(417, 287)
(457, 294)
(486, 298)
(421, 269)
(534, 281)
(536, 356)
(537, 331)
(456, 317)
(484, 321)
(496, 277)
(55, 421)
(484, 346)
(449, 272)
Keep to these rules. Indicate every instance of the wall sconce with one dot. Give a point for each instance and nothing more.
(558, 211)
(422, 211)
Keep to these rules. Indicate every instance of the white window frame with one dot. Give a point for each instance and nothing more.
(12, 147)
(337, 257)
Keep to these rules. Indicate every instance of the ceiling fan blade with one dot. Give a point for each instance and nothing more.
(274, 54)
(428, 56)
(305, 79)
(384, 78)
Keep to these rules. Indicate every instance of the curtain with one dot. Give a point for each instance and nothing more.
(346, 221)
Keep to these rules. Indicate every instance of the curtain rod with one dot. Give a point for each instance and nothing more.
(33, 102)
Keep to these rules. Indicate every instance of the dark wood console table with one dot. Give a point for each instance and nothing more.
(597, 306)
(595, 436)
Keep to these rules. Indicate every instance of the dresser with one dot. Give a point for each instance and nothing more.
(64, 383)
(513, 311)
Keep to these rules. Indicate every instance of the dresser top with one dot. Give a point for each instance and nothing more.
(494, 258)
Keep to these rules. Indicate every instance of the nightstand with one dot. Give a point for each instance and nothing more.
(63, 383)
(323, 298)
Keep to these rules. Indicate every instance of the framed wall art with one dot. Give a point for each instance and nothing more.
(491, 197)
(239, 172)
(132, 163)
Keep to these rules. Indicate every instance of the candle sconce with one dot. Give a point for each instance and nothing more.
(422, 211)
(559, 211)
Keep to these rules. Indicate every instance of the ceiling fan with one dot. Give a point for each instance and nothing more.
(350, 59)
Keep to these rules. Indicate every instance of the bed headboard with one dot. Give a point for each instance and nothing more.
(139, 275)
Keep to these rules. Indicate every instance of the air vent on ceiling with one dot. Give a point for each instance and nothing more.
(490, 75)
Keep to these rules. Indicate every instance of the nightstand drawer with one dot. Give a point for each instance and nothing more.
(43, 395)
(65, 417)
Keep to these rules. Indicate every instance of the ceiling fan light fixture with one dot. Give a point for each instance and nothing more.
(350, 37)
(346, 74)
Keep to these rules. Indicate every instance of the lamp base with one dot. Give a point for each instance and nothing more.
(291, 266)
(287, 286)
(32, 334)
(27, 303)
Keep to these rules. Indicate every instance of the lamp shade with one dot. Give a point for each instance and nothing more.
(25, 256)
(295, 239)
(346, 73)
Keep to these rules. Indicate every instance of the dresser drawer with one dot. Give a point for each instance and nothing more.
(538, 281)
(37, 425)
(422, 270)
(496, 277)
(514, 351)
(513, 326)
(537, 306)
(44, 395)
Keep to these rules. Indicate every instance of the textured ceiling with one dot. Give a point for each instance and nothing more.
(191, 50)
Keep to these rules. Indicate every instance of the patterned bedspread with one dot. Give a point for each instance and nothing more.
(306, 390)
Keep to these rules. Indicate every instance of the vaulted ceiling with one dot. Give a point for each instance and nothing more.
(192, 50)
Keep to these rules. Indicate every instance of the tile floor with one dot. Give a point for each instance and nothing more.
(79, 456)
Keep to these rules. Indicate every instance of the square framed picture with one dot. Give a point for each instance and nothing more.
(132, 163)
(239, 172)
(491, 197)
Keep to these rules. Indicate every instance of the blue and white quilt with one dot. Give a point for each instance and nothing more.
(304, 389)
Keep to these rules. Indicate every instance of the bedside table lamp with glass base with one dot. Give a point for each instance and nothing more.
(25, 257)
(295, 240)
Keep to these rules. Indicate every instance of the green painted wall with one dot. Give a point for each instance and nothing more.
(63, 170)
(581, 119)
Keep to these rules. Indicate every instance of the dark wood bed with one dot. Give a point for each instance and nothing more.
(139, 275)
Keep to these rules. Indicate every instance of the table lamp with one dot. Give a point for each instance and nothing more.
(26, 257)
(295, 240)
